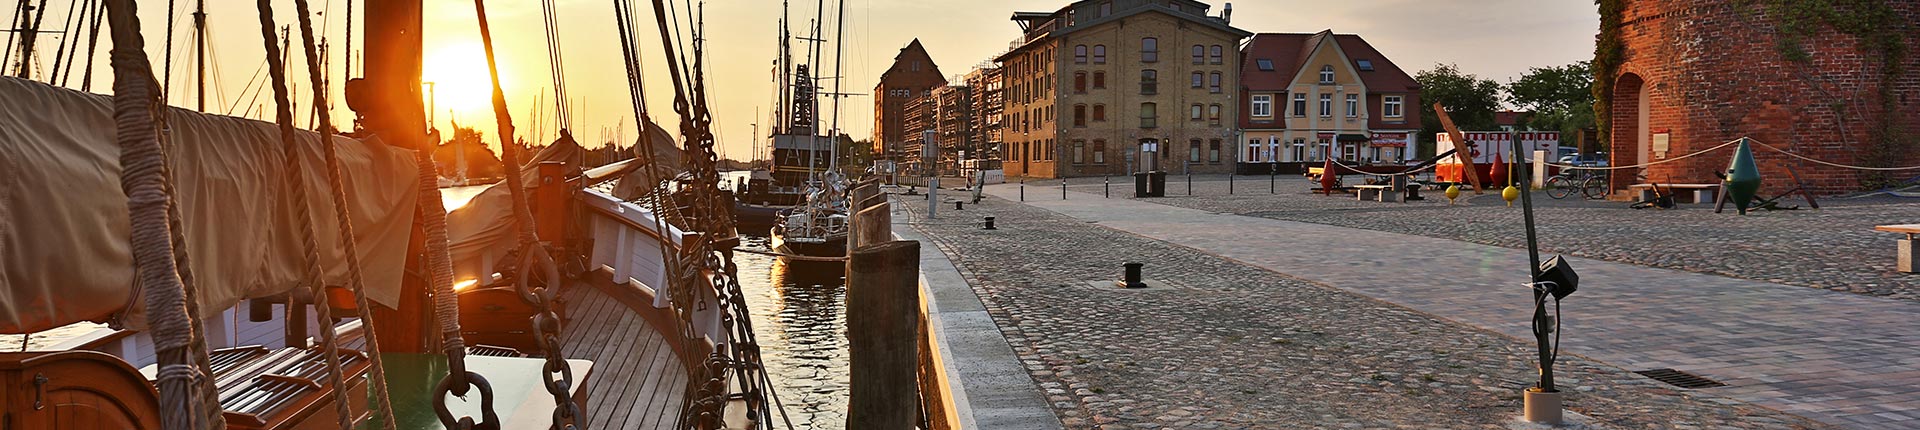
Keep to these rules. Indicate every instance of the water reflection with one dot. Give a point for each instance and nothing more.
(799, 317)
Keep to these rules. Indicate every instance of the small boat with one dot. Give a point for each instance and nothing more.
(817, 228)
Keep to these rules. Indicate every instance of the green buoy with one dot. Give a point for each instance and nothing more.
(1743, 177)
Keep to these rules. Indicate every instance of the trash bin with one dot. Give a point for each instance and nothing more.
(1141, 187)
(1157, 184)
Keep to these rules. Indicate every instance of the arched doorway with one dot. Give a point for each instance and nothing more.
(1628, 126)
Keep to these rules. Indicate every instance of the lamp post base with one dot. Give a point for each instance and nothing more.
(1542, 407)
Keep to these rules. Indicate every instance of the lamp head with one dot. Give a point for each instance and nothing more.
(1557, 271)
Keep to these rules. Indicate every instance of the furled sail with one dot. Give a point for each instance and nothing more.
(64, 251)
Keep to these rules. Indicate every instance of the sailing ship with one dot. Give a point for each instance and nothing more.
(804, 162)
(254, 276)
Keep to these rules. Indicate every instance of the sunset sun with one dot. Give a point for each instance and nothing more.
(460, 83)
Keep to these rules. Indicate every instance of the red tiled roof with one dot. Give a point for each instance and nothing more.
(1289, 52)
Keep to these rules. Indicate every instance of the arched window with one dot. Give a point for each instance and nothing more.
(1079, 54)
(1079, 115)
(1149, 82)
(1099, 54)
(1080, 82)
(1149, 115)
(1194, 112)
(1100, 112)
(1099, 79)
(1149, 50)
(1213, 113)
(1198, 79)
(1213, 82)
(1199, 54)
(1217, 53)
(1326, 74)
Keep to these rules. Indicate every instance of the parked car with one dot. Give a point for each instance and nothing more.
(1597, 159)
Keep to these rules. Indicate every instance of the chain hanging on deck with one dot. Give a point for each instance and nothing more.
(535, 259)
(712, 250)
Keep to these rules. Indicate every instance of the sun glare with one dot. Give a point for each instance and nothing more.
(460, 81)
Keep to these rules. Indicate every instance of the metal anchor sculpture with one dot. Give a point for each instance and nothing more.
(1743, 177)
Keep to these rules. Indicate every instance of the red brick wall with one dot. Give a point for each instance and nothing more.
(1713, 72)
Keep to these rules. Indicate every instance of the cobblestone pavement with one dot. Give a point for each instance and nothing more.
(1833, 248)
(1222, 344)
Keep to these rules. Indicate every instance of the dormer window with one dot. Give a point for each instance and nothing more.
(1265, 65)
(1326, 74)
(1365, 65)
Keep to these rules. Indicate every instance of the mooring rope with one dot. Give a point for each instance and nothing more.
(1829, 163)
(1406, 173)
(1648, 164)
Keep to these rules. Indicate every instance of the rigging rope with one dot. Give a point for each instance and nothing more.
(377, 374)
(294, 176)
(144, 177)
(93, 42)
(554, 61)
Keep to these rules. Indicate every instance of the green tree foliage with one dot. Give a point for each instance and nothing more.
(482, 164)
(855, 155)
(1470, 101)
(1561, 98)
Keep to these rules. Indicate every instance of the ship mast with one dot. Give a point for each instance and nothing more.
(833, 133)
(200, 55)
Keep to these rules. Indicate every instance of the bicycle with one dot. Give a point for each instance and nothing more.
(1591, 184)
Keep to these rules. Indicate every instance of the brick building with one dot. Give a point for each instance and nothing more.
(913, 74)
(1093, 85)
(1311, 96)
(1692, 74)
(953, 113)
(916, 118)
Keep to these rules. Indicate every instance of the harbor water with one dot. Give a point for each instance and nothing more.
(799, 318)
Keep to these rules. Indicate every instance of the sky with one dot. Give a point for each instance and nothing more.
(1495, 39)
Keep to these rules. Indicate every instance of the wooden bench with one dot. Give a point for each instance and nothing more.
(1379, 193)
(1905, 250)
(1699, 193)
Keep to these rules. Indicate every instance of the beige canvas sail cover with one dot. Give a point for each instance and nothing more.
(64, 251)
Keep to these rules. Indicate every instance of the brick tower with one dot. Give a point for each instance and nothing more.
(1679, 76)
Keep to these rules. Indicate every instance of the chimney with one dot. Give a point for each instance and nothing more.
(1226, 13)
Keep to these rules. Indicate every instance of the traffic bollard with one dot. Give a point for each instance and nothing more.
(1107, 182)
(989, 224)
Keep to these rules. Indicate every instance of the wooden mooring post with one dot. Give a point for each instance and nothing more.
(883, 312)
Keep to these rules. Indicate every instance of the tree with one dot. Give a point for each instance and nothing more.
(481, 162)
(1470, 101)
(1561, 98)
(855, 155)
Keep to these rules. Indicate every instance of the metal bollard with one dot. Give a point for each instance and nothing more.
(1023, 189)
(1270, 184)
(989, 224)
(1189, 184)
(1229, 184)
(1131, 279)
(1063, 188)
(1107, 182)
(957, 203)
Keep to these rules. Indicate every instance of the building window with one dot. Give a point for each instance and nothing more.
(1194, 114)
(1353, 105)
(1079, 54)
(1265, 65)
(916, 65)
(1213, 151)
(1326, 105)
(1365, 65)
(1099, 80)
(1100, 113)
(1079, 152)
(1080, 82)
(1099, 151)
(1197, 78)
(1253, 151)
(1199, 54)
(1300, 104)
(1106, 8)
(1213, 113)
(1262, 106)
(1149, 50)
(1149, 118)
(1149, 82)
(1213, 82)
(1079, 115)
(1193, 150)
(1390, 106)
(1218, 54)
(1099, 54)
(1326, 74)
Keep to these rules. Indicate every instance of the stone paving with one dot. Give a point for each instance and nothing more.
(1225, 344)
(1837, 357)
(1832, 248)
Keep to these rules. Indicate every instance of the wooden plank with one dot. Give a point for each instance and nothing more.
(1899, 228)
(1460, 149)
(623, 354)
(640, 394)
(670, 384)
(611, 353)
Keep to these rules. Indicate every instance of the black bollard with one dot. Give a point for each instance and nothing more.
(1131, 279)
(989, 224)
(1229, 184)
(1063, 188)
(1189, 184)
(1023, 189)
(1107, 182)
(1270, 182)
(957, 205)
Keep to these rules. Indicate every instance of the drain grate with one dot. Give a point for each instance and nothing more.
(1680, 379)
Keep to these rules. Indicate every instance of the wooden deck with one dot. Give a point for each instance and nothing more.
(638, 381)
